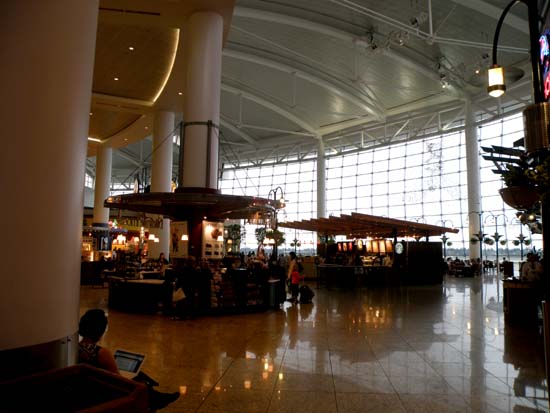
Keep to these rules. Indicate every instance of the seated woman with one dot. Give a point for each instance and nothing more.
(162, 259)
(91, 328)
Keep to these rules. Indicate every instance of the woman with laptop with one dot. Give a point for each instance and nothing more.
(91, 328)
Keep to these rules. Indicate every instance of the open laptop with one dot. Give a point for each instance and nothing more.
(128, 363)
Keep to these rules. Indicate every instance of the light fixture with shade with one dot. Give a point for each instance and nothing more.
(496, 85)
(369, 245)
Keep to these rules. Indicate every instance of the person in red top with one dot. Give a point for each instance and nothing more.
(294, 277)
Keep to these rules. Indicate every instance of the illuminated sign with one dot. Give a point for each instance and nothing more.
(544, 62)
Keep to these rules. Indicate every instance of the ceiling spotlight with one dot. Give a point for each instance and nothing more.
(180, 93)
(91, 113)
(131, 48)
(416, 21)
(116, 78)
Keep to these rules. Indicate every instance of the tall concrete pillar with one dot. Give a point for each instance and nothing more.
(474, 183)
(321, 183)
(161, 175)
(203, 48)
(46, 74)
(103, 169)
(321, 180)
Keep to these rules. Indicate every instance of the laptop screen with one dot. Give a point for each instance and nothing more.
(127, 361)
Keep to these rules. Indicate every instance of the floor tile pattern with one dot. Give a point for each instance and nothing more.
(443, 348)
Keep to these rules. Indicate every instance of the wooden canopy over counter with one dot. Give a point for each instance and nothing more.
(363, 225)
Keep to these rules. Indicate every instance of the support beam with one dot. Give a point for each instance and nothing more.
(364, 104)
(226, 123)
(269, 105)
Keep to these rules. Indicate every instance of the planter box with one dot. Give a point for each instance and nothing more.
(519, 197)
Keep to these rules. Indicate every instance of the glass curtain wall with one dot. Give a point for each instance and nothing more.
(421, 180)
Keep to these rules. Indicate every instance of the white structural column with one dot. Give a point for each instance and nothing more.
(474, 185)
(321, 179)
(103, 169)
(47, 57)
(161, 175)
(203, 48)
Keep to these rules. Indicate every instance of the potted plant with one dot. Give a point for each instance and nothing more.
(520, 192)
(526, 181)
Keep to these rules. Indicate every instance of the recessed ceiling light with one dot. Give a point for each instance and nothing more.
(131, 48)
(180, 93)
(91, 113)
(116, 78)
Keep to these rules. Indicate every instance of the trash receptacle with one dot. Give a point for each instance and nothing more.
(274, 300)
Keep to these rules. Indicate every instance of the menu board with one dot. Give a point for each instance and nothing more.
(179, 241)
(212, 240)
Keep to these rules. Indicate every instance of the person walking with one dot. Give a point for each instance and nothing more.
(294, 277)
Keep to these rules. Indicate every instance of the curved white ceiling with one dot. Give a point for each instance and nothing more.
(354, 72)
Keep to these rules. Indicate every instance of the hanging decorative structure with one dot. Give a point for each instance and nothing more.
(520, 197)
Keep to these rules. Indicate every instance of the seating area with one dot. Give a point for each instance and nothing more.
(460, 268)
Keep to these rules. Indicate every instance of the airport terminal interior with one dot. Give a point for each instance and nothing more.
(377, 141)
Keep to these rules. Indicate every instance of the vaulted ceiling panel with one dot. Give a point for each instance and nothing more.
(259, 117)
(276, 85)
(315, 49)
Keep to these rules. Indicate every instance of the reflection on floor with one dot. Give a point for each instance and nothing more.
(401, 349)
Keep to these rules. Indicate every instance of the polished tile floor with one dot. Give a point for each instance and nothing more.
(439, 348)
